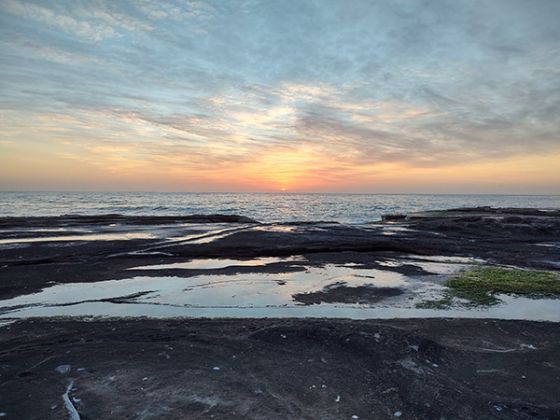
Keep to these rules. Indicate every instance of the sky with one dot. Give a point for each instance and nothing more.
(409, 96)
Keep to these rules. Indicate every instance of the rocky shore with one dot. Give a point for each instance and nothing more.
(522, 237)
(271, 368)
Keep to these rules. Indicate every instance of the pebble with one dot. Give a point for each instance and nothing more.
(63, 369)
(355, 417)
(397, 414)
(215, 368)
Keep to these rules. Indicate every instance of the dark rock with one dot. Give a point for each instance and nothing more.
(341, 293)
(393, 217)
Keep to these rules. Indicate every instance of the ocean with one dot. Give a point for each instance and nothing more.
(264, 207)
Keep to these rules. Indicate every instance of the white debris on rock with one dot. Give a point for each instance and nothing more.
(72, 412)
(63, 369)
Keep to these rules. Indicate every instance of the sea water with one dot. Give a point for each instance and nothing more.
(264, 207)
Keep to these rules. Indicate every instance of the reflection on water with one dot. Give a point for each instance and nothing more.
(276, 228)
(436, 267)
(206, 234)
(447, 259)
(260, 295)
(236, 290)
(512, 308)
(168, 234)
(394, 230)
(88, 237)
(215, 263)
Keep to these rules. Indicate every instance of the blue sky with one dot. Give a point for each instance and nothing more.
(368, 96)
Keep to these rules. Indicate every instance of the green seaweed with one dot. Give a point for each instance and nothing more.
(479, 287)
(444, 303)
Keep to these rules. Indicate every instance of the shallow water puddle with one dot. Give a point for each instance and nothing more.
(447, 259)
(276, 228)
(206, 234)
(435, 267)
(216, 263)
(88, 237)
(436, 264)
(43, 230)
(395, 230)
(169, 234)
(512, 308)
(329, 291)
(237, 290)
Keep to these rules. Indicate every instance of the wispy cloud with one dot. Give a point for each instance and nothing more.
(90, 30)
(302, 94)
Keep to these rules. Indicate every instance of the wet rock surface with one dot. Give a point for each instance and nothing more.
(102, 220)
(271, 369)
(521, 237)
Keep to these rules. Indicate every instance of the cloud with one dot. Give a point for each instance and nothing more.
(166, 10)
(91, 31)
(99, 20)
(319, 89)
(53, 54)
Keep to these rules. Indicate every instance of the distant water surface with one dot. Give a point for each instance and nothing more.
(286, 207)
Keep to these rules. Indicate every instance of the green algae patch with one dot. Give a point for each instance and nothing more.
(444, 303)
(480, 286)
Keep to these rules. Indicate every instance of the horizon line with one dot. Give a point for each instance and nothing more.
(272, 192)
